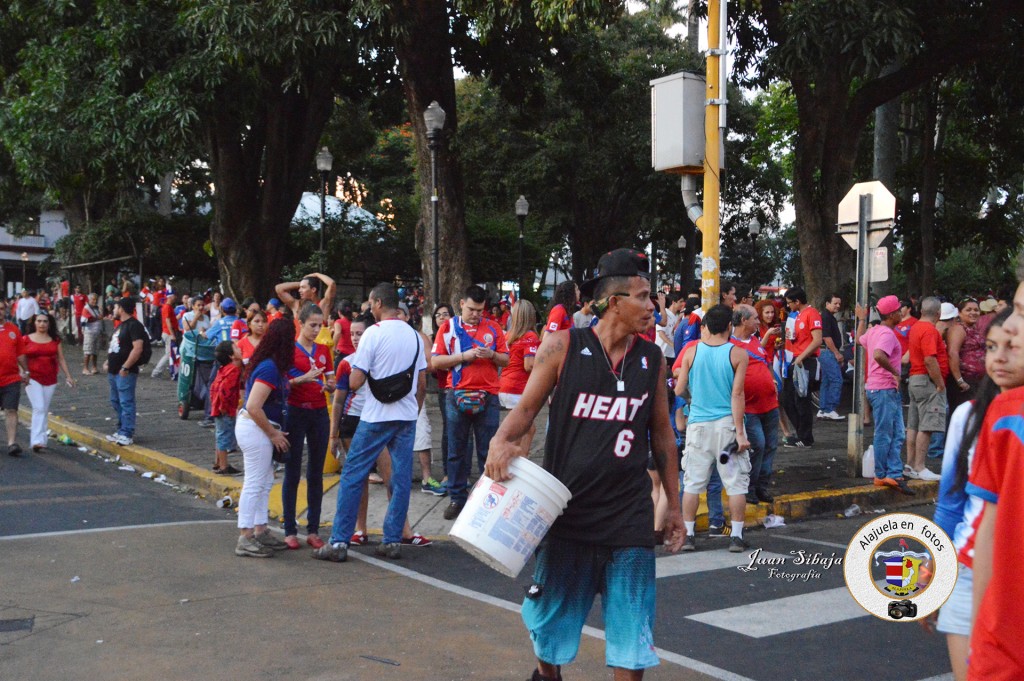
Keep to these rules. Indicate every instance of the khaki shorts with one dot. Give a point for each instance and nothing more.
(90, 339)
(422, 438)
(927, 413)
(704, 442)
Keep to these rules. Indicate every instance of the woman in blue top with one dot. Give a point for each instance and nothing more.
(258, 432)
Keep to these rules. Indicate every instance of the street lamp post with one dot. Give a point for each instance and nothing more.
(522, 210)
(24, 276)
(433, 117)
(324, 161)
(754, 228)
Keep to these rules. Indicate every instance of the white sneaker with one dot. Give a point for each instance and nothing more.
(124, 440)
(910, 473)
(113, 437)
(829, 416)
(819, 415)
(925, 474)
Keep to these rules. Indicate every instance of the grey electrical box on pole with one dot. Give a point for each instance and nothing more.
(865, 218)
(677, 124)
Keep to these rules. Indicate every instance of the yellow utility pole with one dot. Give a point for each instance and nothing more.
(710, 223)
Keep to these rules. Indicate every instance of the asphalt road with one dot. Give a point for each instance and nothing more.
(107, 575)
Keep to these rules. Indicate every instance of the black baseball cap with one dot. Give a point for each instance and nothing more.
(622, 262)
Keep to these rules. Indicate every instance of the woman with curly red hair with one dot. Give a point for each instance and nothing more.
(258, 432)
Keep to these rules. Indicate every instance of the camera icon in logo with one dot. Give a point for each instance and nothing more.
(900, 609)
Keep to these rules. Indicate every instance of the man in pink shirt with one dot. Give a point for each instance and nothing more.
(882, 389)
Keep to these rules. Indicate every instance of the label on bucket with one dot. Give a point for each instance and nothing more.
(521, 525)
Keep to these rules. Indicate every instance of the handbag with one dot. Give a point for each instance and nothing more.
(470, 402)
(396, 386)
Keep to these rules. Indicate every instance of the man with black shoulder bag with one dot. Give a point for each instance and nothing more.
(471, 349)
(391, 358)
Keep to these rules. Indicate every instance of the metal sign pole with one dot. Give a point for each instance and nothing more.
(855, 433)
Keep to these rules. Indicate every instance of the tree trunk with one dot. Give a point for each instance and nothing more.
(929, 182)
(260, 167)
(164, 206)
(425, 63)
(887, 142)
(824, 155)
(692, 27)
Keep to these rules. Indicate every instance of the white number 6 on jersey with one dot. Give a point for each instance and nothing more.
(624, 443)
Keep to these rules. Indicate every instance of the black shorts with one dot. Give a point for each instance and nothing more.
(10, 396)
(348, 426)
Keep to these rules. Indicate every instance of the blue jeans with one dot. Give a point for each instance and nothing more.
(890, 433)
(311, 426)
(461, 426)
(368, 442)
(716, 514)
(831, 390)
(763, 433)
(122, 399)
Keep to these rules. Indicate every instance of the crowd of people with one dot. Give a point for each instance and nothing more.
(652, 402)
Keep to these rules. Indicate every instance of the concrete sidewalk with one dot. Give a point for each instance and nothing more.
(807, 482)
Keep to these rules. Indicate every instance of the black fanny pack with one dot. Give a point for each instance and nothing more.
(396, 386)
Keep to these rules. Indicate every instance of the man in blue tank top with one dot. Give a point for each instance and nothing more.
(711, 376)
(609, 409)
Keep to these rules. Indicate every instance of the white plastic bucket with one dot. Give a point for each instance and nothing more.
(504, 522)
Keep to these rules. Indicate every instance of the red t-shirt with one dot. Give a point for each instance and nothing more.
(310, 395)
(925, 341)
(514, 376)
(504, 319)
(759, 387)
(168, 321)
(806, 322)
(79, 300)
(997, 640)
(559, 319)
(903, 333)
(239, 328)
(42, 360)
(247, 348)
(11, 345)
(224, 391)
(344, 345)
(479, 374)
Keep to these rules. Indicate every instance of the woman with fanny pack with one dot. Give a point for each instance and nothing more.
(308, 422)
(258, 432)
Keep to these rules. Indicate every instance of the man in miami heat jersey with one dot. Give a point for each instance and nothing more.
(609, 412)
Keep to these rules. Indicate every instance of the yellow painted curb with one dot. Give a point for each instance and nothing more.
(275, 505)
(204, 481)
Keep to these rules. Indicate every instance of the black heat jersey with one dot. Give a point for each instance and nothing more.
(598, 442)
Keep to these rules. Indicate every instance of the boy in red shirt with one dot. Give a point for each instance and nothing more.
(224, 404)
(803, 342)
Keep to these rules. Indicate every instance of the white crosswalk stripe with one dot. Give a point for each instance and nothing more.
(783, 615)
(703, 561)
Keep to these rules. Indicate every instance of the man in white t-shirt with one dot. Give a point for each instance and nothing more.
(387, 349)
(27, 310)
(665, 329)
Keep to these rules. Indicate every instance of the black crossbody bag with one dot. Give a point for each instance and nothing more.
(396, 386)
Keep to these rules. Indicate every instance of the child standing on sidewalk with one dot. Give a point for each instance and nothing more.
(224, 394)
